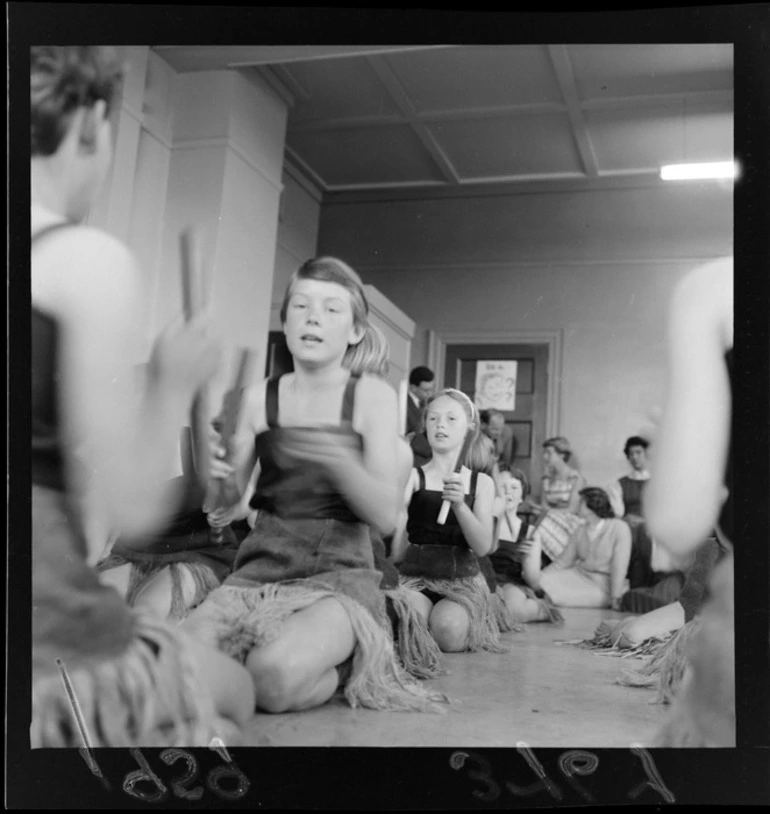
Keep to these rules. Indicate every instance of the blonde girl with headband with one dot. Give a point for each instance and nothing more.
(303, 609)
(439, 563)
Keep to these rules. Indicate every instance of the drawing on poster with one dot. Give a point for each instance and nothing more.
(495, 385)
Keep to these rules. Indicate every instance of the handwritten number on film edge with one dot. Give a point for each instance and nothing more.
(573, 762)
(181, 786)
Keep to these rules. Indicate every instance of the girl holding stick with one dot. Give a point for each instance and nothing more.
(303, 609)
(439, 560)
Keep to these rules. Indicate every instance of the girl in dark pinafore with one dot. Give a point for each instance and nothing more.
(303, 609)
(439, 563)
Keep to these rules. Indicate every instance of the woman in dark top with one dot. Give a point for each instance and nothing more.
(97, 459)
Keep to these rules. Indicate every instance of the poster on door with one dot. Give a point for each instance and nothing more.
(495, 385)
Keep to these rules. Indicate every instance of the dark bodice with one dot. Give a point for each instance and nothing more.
(506, 560)
(422, 526)
(632, 494)
(437, 551)
(47, 461)
(290, 488)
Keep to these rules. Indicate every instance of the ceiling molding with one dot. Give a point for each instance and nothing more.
(694, 100)
(436, 191)
(303, 172)
(394, 87)
(186, 58)
(566, 79)
(271, 78)
(507, 265)
(703, 100)
(295, 86)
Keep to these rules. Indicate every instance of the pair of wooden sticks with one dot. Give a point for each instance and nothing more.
(224, 492)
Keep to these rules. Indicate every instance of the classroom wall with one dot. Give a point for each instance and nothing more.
(599, 267)
(202, 150)
(297, 238)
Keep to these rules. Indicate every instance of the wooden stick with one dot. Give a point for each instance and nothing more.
(193, 302)
(225, 492)
(445, 504)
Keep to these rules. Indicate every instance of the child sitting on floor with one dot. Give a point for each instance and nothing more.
(439, 562)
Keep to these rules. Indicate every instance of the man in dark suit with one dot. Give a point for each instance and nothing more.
(420, 388)
(503, 438)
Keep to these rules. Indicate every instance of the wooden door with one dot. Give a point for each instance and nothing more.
(528, 418)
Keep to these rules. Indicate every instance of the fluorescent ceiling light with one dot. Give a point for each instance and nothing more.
(686, 172)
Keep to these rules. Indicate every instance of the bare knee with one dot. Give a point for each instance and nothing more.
(522, 608)
(229, 684)
(279, 678)
(420, 603)
(449, 625)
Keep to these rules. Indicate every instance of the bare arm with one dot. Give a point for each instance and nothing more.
(574, 498)
(400, 539)
(477, 524)
(370, 484)
(569, 556)
(621, 555)
(691, 451)
(615, 493)
(126, 446)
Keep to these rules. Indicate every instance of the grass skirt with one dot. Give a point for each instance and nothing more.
(204, 576)
(238, 619)
(544, 602)
(703, 711)
(503, 616)
(416, 648)
(665, 670)
(148, 696)
(474, 596)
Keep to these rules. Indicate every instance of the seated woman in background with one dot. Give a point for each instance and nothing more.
(561, 485)
(655, 576)
(513, 536)
(626, 492)
(633, 630)
(591, 571)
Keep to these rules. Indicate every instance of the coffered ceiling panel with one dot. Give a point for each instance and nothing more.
(643, 139)
(509, 146)
(612, 71)
(390, 154)
(474, 77)
(330, 90)
(443, 120)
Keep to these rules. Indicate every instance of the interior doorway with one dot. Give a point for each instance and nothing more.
(527, 419)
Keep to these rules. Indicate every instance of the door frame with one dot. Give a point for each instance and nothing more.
(554, 340)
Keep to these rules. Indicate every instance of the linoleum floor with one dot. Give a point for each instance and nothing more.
(539, 692)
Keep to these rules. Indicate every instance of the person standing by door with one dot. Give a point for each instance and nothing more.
(421, 384)
(502, 437)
